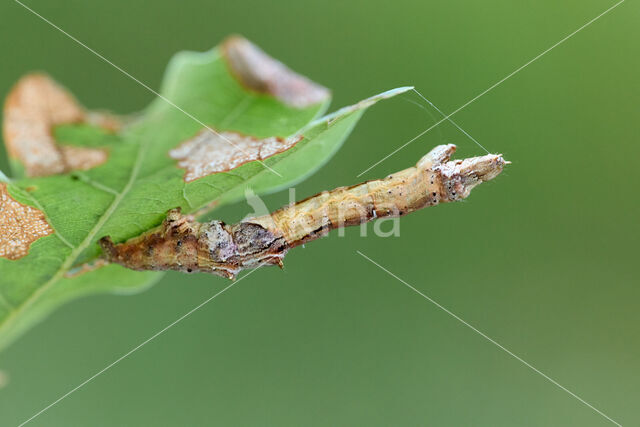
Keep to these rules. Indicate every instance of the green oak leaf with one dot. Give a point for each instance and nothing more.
(131, 192)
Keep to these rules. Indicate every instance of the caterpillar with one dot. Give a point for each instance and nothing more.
(184, 244)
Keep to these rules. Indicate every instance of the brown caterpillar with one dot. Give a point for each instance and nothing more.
(184, 244)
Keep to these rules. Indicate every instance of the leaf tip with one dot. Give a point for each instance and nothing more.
(259, 72)
(330, 119)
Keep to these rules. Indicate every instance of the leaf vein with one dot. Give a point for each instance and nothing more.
(41, 208)
(31, 299)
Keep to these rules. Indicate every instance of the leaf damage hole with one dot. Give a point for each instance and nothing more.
(20, 226)
(208, 153)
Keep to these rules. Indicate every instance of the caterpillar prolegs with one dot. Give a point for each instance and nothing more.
(184, 244)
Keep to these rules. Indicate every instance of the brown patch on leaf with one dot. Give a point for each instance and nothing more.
(36, 104)
(103, 119)
(262, 73)
(20, 226)
(82, 158)
(208, 153)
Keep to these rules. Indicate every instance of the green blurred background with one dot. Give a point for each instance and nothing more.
(543, 259)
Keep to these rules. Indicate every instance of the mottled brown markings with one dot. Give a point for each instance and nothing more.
(183, 244)
(257, 71)
(207, 153)
(33, 107)
(20, 226)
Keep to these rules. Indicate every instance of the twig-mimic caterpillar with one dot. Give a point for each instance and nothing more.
(184, 244)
